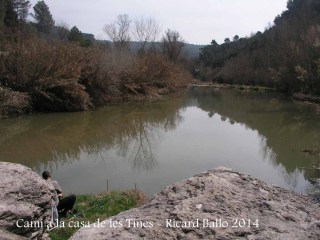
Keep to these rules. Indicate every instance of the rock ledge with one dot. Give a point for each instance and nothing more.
(216, 196)
(26, 196)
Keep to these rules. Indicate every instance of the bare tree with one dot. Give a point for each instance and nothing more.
(119, 31)
(172, 44)
(145, 31)
(63, 30)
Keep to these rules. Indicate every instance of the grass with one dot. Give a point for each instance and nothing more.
(93, 207)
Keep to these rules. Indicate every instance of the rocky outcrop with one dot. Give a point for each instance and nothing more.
(24, 197)
(218, 204)
(5, 235)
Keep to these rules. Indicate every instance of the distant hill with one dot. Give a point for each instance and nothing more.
(192, 50)
(285, 56)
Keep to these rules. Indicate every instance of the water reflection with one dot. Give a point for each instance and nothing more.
(285, 128)
(54, 140)
(157, 143)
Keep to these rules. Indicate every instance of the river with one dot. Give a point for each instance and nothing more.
(156, 143)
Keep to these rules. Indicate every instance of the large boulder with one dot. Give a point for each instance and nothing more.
(237, 206)
(24, 200)
(5, 235)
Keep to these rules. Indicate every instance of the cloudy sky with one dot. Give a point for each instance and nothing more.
(197, 21)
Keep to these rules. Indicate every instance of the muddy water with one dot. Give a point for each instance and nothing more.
(150, 145)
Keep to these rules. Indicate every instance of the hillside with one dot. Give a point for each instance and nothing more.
(285, 56)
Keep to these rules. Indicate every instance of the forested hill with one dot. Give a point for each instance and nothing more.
(286, 55)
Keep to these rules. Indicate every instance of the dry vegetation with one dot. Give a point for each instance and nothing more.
(58, 76)
(13, 103)
(47, 67)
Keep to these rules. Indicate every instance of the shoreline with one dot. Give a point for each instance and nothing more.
(232, 86)
(144, 93)
(300, 97)
(152, 93)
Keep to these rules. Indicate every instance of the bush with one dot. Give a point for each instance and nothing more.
(60, 95)
(49, 72)
(61, 76)
(13, 103)
(121, 75)
(155, 69)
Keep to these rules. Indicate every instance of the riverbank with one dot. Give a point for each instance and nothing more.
(81, 78)
(301, 97)
(90, 208)
(14, 103)
(308, 99)
(231, 86)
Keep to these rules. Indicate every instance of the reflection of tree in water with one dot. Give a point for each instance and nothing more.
(284, 128)
(265, 151)
(140, 142)
(143, 153)
(52, 140)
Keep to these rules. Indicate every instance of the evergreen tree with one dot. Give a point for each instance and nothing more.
(2, 12)
(10, 18)
(43, 17)
(236, 38)
(62, 31)
(214, 42)
(21, 7)
(75, 35)
(227, 40)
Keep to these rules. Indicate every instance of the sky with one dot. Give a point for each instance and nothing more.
(197, 21)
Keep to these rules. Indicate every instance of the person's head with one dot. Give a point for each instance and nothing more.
(46, 175)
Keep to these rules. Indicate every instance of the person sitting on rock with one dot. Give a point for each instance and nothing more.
(65, 204)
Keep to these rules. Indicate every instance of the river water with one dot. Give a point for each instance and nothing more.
(153, 144)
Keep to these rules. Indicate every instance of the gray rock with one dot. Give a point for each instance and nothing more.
(24, 195)
(5, 235)
(217, 195)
